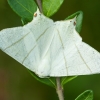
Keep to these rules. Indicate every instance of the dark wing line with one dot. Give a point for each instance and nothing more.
(82, 57)
(63, 51)
(34, 46)
(28, 54)
(17, 41)
(42, 34)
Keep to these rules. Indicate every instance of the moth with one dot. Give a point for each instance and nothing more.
(50, 48)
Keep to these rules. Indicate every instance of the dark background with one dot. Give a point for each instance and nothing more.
(15, 81)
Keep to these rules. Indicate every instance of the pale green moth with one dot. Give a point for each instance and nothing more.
(50, 48)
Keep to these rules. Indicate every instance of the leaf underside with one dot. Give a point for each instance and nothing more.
(86, 95)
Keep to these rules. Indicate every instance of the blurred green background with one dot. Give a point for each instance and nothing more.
(15, 81)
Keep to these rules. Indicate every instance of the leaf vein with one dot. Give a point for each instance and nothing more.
(24, 7)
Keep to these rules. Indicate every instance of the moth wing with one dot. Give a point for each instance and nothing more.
(19, 43)
(29, 43)
(72, 56)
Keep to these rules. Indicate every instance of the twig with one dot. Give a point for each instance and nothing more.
(39, 2)
(59, 89)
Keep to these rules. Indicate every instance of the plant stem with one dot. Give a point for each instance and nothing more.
(59, 89)
(39, 2)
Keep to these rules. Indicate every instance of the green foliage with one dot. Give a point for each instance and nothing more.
(86, 95)
(48, 81)
(79, 19)
(51, 81)
(24, 8)
(66, 79)
(51, 6)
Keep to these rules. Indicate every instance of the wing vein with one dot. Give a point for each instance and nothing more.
(42, 34)
(63, 50)
(28, 54)
(34, 46)
(82, 57)
(16, 41)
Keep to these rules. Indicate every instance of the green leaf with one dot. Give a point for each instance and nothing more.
(51, 6)
(87, 95)
(24, 8)
(24, 21)
(51, 81)
(48, 81)
(65, 80)
(79, 19)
